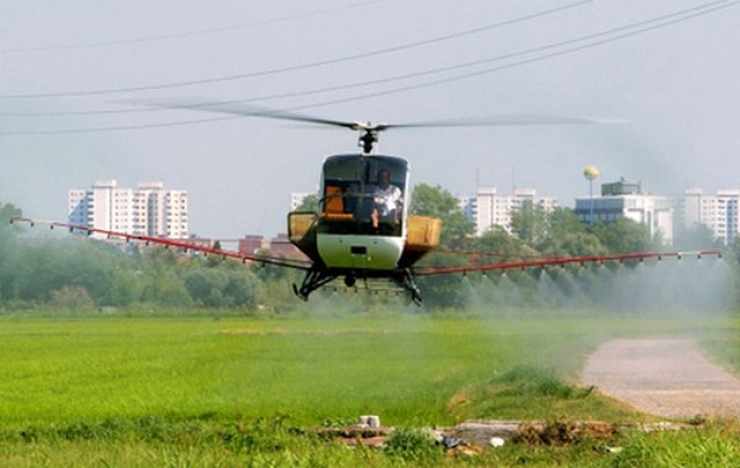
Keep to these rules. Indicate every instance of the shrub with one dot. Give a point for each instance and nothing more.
(413, 445)
(73, 298)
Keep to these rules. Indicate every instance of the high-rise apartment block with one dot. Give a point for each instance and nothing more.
(148, 210)
(297, 199)
(719, 212)
(487, 208)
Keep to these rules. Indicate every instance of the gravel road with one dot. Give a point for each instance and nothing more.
(666, 377)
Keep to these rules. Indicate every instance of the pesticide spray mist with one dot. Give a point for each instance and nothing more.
(689, 285)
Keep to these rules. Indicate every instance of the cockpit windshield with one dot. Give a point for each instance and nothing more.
(363, 195)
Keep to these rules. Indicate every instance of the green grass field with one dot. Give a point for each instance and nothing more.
(181, 391)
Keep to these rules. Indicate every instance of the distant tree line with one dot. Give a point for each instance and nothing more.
(84, 274)
(74, 273)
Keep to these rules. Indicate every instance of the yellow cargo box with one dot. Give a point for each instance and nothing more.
(301, 225)
(302, 232)
(423, 232)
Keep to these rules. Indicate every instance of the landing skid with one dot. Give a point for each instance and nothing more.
(314, 279)
(317, 277)
(406, 281)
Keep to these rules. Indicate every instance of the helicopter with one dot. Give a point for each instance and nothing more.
(363, 229)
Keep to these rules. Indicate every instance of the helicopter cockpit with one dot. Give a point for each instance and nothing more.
(363, 195)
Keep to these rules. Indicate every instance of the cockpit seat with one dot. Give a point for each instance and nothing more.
(334, 205)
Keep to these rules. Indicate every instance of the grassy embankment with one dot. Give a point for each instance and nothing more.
(179, 390)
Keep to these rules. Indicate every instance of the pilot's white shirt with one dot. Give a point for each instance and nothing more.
(387, 200)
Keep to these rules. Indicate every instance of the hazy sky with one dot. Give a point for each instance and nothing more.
(69, 69)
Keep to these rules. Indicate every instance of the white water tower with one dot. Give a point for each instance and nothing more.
(590, 173)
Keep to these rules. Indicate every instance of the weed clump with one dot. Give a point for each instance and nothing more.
(552, 433)
(527, 380)
(412, 445)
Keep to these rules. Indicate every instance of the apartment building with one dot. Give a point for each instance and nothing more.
(297, 198)
(149, 209)
(488, 208)
(719, 212)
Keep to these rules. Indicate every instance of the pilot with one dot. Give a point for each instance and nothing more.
(387, 200)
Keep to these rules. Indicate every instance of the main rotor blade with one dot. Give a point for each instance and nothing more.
(510, 119)
(239, 108)
(248, 110)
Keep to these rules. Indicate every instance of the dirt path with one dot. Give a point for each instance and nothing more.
(666, 377)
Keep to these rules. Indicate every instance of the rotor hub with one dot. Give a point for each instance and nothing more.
(367, 140)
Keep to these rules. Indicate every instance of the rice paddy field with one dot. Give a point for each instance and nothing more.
(189, 389)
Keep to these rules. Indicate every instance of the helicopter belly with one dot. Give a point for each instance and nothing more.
(360, 252)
